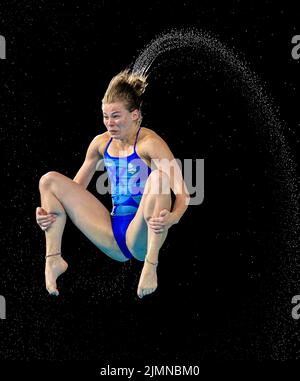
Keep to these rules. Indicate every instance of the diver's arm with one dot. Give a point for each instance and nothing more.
(88, 168)
(164, 160)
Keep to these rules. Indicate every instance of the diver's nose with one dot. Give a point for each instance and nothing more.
(110, 122)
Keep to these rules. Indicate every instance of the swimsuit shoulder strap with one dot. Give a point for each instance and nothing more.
(107, 145)
(136, 138)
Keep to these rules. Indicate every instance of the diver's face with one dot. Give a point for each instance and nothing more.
(117, 119)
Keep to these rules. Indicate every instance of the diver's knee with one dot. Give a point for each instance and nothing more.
(159, 182)
(47, 179)
(158, 175)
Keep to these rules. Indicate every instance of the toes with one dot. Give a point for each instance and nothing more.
(150, 290)
(53, 291)
(140, 293)
(145, 291)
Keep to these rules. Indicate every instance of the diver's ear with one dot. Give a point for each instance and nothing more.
(136, 114)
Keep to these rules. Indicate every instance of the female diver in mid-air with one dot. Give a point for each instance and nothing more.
(142, 172)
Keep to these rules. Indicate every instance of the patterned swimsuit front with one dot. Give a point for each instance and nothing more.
(127, 176)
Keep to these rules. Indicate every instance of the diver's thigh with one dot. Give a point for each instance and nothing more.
(87, 213)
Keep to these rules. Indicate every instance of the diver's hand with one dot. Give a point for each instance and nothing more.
(43, 219)
(161, 223)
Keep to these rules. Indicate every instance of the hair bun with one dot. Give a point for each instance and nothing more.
(138, 82)
(128, 87)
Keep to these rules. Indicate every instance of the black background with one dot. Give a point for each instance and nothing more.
(228, 271)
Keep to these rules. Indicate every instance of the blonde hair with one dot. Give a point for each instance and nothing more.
(126, 87)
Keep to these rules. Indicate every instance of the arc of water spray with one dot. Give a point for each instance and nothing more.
(261, 106)
(265, 115)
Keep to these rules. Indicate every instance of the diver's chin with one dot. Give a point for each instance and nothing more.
(115, 135)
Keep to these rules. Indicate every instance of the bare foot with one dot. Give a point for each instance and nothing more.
(55, 266)
(148, 280)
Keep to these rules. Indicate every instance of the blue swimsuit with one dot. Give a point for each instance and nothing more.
(128, 176)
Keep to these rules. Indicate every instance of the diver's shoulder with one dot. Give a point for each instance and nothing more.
(101, 137)
(101, 141)
(149, 135)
